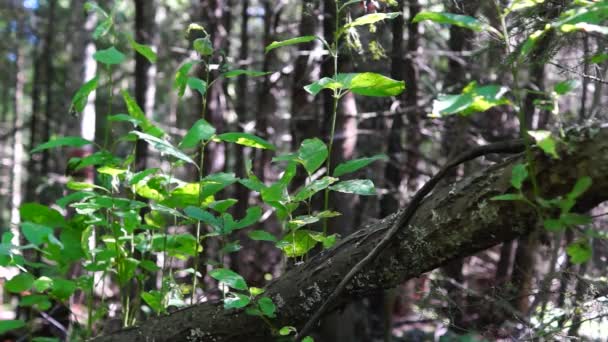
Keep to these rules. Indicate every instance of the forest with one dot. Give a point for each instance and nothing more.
(310, 170)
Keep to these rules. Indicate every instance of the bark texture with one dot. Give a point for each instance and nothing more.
(456, 220)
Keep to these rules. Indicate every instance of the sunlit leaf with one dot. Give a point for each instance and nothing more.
(200, 131)
(312, 154)
(371, 19)
(363, 187)
(579, 252)
(292, 41)
(473, 99)
(229, 277)
(11, 324)
(236, 300)
(246, 139)
(143, 50)
(460, 20)
(109, 56)
(545, 141)
(313, 188)
(163, 146)
(181, 78)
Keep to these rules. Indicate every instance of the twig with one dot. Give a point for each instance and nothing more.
(402, 219)
(582, 74)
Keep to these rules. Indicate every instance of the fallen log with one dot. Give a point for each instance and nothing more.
(454, 221)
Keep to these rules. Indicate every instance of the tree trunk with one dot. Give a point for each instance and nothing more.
(454, 221)
(145, 72)
(17, 173)
(49, 72)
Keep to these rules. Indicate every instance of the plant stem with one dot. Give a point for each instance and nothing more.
(200, 188)
(334, 114)
(521, 114)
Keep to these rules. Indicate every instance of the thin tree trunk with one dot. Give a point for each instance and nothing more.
(145, 72)
(50, 79)
(18, 153)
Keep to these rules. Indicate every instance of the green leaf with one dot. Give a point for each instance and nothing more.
(292, 41)
(460, 20)
(324, 83)
(109, 56)
(236, 301)
(154, 299)
(229, 277)
(564, 87)
(216, 182)
(313, 188)
(204, 216)
(371, 19)
(308, 339)
(200, 131)
(163, 146)
(553, 225)
(124, 118)
(366, 84)
(363, 187)
(599, 58)
(582, 185)
(297, 243)
(260, 235)
(73, 185)
(198, 85)
(62, 288)
(519, 174)
(573, 219)
(579, 252)
(43, 283)
(138, 114)
(301, 221)
(287, 330)
(103, 28)
(530, 43)
(250, 73)
(356, 164)
(222, 205)
(62, 142)
(372, 84)
(312, 154)
(518, 5)
(473, 99)
(45, 339)
(267, 307)
(545, 141)
(19, 283)
(10, 324)
(143, 50)
(181, 78)
(91, 6)
(41, 214)
(79, 101)
(508, 197)
(252, 216)
(246, 139)
(40, 302)
(36, 234)
(203, 46)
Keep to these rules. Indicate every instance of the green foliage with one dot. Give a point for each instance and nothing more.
(288, 42)
(473, 99)
(109, 56)
(366, 84)
(460, 20)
